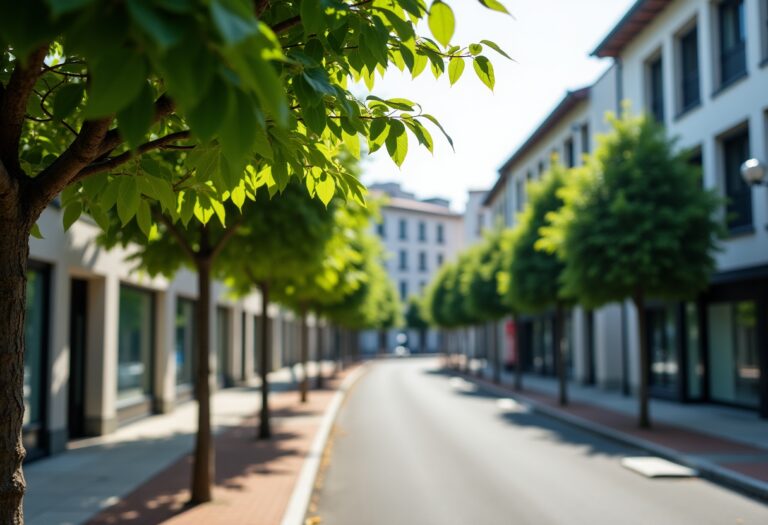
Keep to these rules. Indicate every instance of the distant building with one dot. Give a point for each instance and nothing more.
(419, 237)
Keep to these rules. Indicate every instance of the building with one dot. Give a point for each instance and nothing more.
(106, 344)
(419, 236)
(699, 67)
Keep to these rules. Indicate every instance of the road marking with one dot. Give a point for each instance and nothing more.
(653, 467)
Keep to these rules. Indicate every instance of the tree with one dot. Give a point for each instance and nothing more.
(280, 241)
(259, 90)
(636, 224)
(534, 273)
(483, 298)
(415, 319)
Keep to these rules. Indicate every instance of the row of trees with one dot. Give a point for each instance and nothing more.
(172, 113)
(632, 223)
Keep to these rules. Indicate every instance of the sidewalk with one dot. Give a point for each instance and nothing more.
(141, 473)
(724, 444)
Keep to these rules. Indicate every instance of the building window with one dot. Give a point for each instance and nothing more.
(570, 154)
(542, 168)
(738, 194)
(480, 224)
(440, 234)
(422, 231)
(222, 345)
(135, 344)
(440, 259)
(585, 145)
(422, 285)
(35, 337)
(696, 160)
(656, 89)
(404, 290)
(381, 229)
(734, 371)
(662, 341)
(422, 261)
(185, 341)
(403, 229)
(403, 260)
(733, 37)
(690, 94)
(520, 195)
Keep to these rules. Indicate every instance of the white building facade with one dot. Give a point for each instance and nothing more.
(698, 66)
(419, 236)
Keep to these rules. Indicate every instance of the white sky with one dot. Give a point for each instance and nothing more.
(550, 41)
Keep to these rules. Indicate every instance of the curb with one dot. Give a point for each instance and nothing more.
(301, 496)
(706, 469)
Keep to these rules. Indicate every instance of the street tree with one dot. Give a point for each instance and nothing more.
(279, 242)
(258, 89)
(534, 273)
(636, 224)
(483, 298)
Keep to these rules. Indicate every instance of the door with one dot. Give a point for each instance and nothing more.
(77, 356)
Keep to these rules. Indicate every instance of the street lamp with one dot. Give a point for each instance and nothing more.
(754, 173)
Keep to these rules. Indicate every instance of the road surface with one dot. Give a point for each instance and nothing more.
(415, 446)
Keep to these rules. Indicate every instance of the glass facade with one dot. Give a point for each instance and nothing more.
(35, 333)
(689, 66)
(135, 347)
(738, 194)
(543, 351)
(733, 37)
(222, 345)
(734, 372)
(185, 341)
(656, 89)
(695, 363)
(663, 347)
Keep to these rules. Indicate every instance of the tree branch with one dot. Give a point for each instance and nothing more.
(176, 234)
(13, 107)
(228, 234)
(110, 163)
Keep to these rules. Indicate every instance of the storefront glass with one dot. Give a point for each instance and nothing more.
(734, 370)
(135, 343)
(35, 331)
(663, 347)
(695, 371)
(185, 340)
(543, 352)
(222, 344)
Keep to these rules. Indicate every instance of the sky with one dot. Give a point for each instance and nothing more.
(550, 42)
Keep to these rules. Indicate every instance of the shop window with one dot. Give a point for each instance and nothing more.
(663, 347)
(734, 372)
(185, 341)
(695, 364)
(135, 348)
(35, 339)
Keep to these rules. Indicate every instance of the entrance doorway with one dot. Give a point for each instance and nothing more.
(78, 336)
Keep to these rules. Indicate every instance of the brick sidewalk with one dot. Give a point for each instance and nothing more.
(254, 479)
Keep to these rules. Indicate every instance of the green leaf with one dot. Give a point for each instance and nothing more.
(238, 195)
(116, 79)
(233, 26)
(325, 188)
(434, 121)
(35, 232)
(397, 142)
(496, 48)
(60, 7)
(128, 200)
(377, 134)
(442, 23)
(207, 117)
(71, 214)
(494, 5)
(155, 23)
(455, 69)
(311, 12)
(238, 134)
(475, 49)
(144, 218)
(136, 118)
(67, 99)
(419, 64)
(484, 70)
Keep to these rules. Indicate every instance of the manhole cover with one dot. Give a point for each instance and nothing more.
(652, 467)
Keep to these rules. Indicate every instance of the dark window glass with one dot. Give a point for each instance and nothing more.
(381, 229)
(585, 145)
(662, 345)
(520, 203)
(440, 259)
(541, 168)
(403, 260)
(35, 332)
(737, 192)
(185, 341)
(733, 60)
(422, 231)
(689, 62)
(656, 89)
(423, 261)
(403, 229)
(440, 234)
(135, 346)
(570, 154)
(403, 290)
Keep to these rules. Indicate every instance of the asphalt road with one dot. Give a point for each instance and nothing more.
(415, 446)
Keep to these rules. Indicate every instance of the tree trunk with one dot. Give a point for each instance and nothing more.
(14, 239)
(562, 354)
(644, 419)
(304, 385)
(518, 359)
(319, 376)
(203, 466)
(265, 431)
